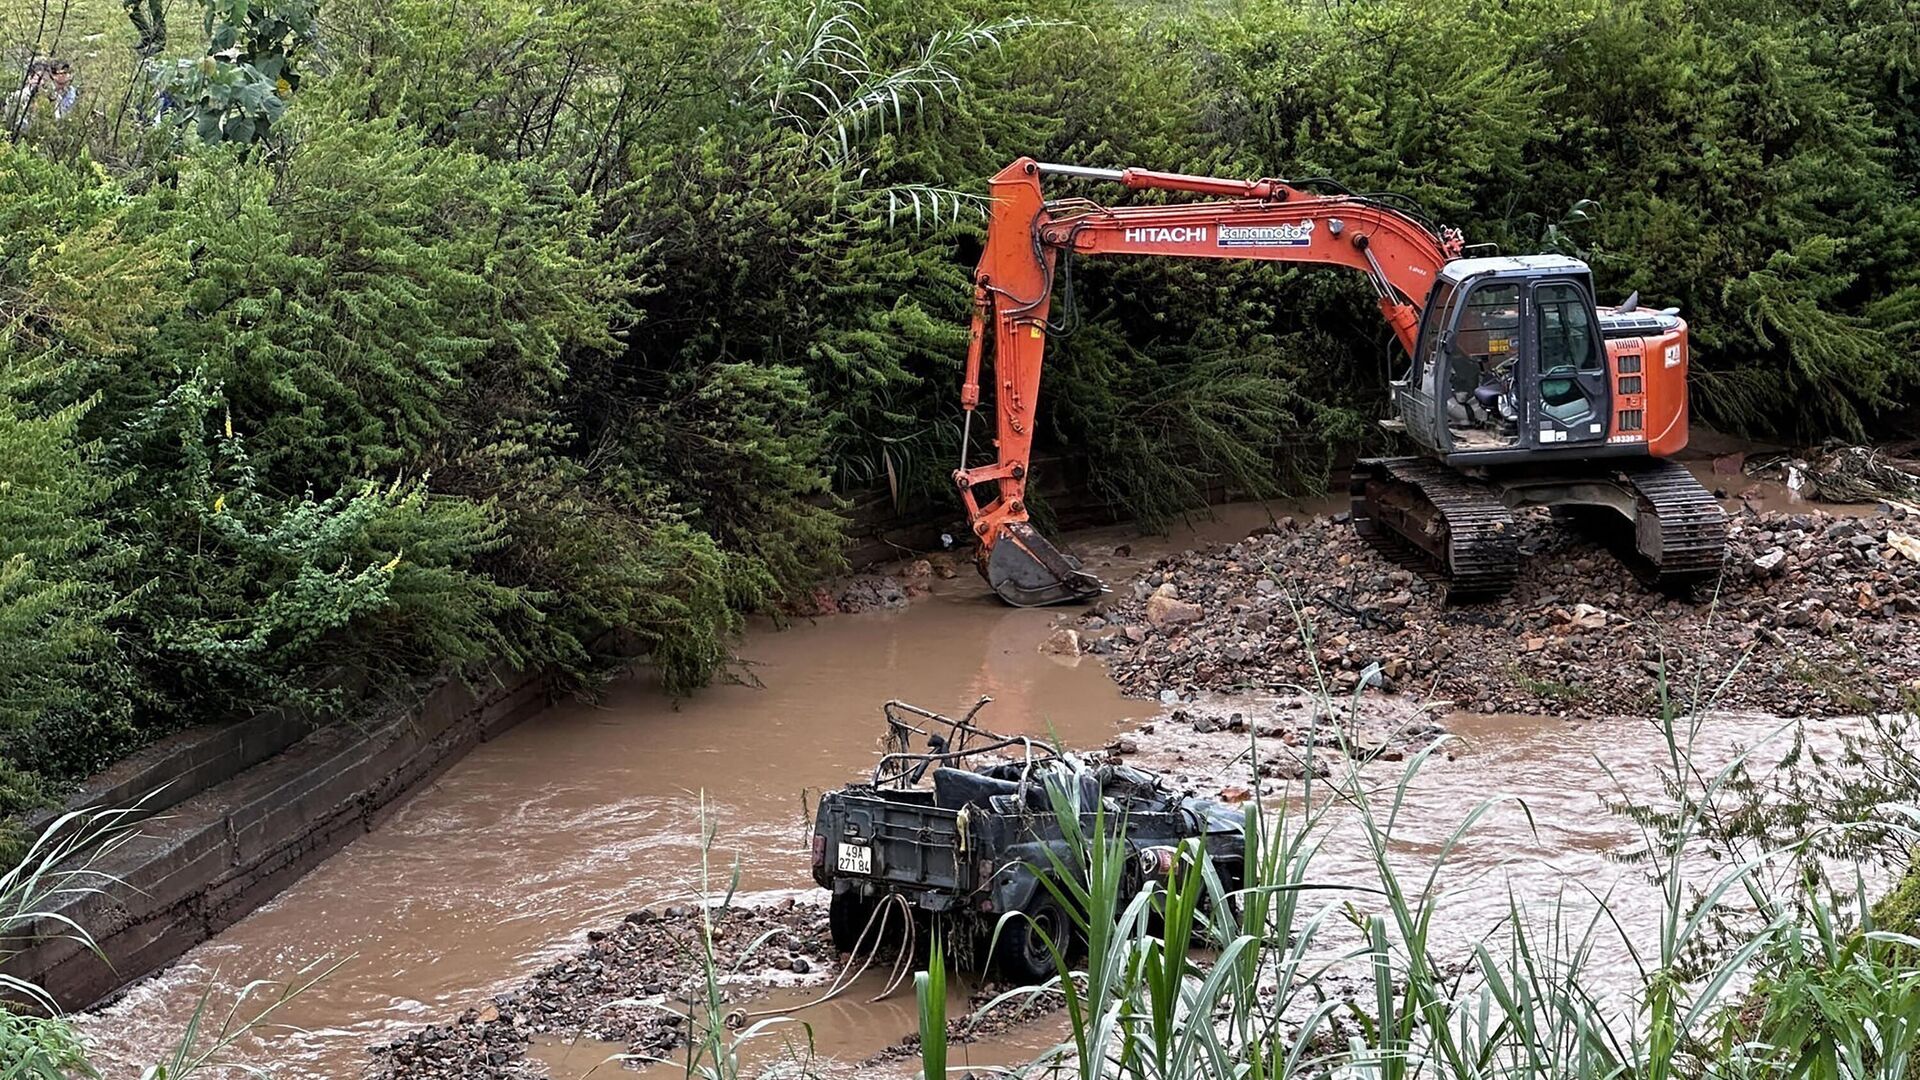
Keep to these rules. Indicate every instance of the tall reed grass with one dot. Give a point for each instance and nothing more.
(1753, 968)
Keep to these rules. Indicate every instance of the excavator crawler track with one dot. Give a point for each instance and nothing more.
(1679, 536)
(1438, 522)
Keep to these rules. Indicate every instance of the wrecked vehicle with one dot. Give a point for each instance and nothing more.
(963, 829)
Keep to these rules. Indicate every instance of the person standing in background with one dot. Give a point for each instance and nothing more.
(47, 80)
(60, 88)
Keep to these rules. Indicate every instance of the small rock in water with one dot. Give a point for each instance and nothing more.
(871, 592)
(1063, 643)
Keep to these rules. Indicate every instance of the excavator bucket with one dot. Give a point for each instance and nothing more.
(1028, 571)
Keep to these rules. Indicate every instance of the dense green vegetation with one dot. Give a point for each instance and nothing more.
(401, 334)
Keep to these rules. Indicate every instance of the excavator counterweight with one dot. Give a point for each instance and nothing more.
(1520, 390)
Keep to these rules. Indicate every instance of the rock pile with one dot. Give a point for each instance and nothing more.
(1814, 613)
(468, 1047)
(857, 594)
(647, 961)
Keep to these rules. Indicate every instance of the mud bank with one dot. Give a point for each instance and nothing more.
(634, 984)
(1814, 614)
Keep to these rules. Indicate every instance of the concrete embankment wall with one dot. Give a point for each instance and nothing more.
(241, 812)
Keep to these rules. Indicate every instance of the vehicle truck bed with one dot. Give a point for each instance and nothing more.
(972, 844)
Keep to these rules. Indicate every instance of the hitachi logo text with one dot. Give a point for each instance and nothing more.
(1186, 234)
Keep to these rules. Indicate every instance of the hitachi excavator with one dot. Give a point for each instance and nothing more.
(1520, 391)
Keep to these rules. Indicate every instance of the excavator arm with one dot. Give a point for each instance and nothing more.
(1244, 219)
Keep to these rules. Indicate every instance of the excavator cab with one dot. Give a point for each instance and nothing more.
(1510, 360)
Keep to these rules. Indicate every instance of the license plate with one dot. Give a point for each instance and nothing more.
(856, 859)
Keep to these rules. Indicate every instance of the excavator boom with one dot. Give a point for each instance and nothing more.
(1013, 286)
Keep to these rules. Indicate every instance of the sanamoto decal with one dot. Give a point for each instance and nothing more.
(1300, 235)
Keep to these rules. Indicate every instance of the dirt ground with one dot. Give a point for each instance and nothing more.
(1814, 614)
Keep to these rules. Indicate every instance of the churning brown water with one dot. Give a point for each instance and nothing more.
(587, 812)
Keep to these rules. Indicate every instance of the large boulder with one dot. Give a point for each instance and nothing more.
(1165, 608)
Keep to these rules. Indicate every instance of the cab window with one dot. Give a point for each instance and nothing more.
(1439, 310)
(1488, 336)
(1566, 329)
(1490, 323)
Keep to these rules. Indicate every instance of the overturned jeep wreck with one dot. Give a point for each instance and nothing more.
(966, 826)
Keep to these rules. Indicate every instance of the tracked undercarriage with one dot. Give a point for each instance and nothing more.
(1653, 514)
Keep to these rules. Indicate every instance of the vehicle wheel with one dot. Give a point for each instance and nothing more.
(847, 916)
(1022, 955)
(1231, 876)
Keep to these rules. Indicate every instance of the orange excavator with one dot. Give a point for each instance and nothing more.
(1520, 390)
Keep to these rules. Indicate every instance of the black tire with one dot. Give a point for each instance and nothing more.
(847, 917)
(1230, 873)
(1022, 956)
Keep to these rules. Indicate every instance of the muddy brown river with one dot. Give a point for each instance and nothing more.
(590, 811)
